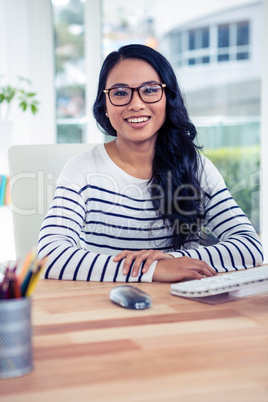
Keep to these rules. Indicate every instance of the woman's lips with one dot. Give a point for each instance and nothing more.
(137, 119)
(137, 122)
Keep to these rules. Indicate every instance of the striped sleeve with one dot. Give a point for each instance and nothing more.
(59, 241)
(239, 246)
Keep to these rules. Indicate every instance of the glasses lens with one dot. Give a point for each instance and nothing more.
(151, 93)
(120, 96)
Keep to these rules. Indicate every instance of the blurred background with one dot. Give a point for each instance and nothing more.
(215, 47)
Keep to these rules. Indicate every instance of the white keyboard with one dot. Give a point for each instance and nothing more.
(239, 283)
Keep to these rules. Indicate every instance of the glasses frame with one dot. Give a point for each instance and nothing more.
(107, 91)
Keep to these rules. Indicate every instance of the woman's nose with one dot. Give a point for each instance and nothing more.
(136, 102)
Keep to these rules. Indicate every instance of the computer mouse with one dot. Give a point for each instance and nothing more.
(130, 297)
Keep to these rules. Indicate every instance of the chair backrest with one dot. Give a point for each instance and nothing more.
(33, 171)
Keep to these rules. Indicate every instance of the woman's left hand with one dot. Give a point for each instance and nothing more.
(138, 257)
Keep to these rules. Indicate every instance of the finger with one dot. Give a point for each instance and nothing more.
(205, 271)
(199, 272)
(203, 266)
(155, 256)
(128, 262)
(147, 257)
(192, 274)
(142, 257)
(121, 255)
(209, 272)
(194, 268)
(130, 256)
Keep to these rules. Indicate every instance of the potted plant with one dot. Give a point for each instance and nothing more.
(20, 94)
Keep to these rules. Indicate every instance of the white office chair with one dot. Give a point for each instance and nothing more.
(33, 171)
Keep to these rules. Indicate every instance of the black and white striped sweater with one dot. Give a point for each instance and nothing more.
(105, 210)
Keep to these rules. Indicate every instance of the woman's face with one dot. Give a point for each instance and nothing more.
(135, 73)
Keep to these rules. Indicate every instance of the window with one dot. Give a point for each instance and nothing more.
(223, 57)
(205, 59)
(228, 42)
(198, 39)
(223, 41)
(242, 35)
(223, 35)
(191, 40)
(242, 41)
(70, 70)
(191, 62)
(204, 38)
(233, 42)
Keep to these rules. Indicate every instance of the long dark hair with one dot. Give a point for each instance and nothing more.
(174, 186)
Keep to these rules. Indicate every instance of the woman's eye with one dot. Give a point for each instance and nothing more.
(120, 93)
(151, 90)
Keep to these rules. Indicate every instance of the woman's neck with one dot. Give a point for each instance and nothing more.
(134, 159)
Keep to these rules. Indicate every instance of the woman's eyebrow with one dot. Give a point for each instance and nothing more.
(120, 84)
(150, 82)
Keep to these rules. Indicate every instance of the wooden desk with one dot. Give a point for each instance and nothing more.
(88, 349)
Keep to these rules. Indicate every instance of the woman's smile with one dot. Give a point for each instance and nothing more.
(137, 119)
(138, 122)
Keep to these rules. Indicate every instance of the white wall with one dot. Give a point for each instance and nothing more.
(26, 47)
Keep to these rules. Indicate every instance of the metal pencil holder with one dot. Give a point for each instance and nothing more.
(15, 337)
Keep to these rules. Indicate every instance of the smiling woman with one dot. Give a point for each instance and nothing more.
(137, 203)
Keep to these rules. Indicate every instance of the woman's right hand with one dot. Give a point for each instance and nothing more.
(181, 268)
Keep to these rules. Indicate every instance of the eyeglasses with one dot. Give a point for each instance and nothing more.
(122, 96)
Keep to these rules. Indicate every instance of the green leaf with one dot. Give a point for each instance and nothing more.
(23, 105)
(34, 108)
(26, 99)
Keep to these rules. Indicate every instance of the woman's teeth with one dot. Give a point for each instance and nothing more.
(138, 119)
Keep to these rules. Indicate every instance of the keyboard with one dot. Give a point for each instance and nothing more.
(239, 283)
